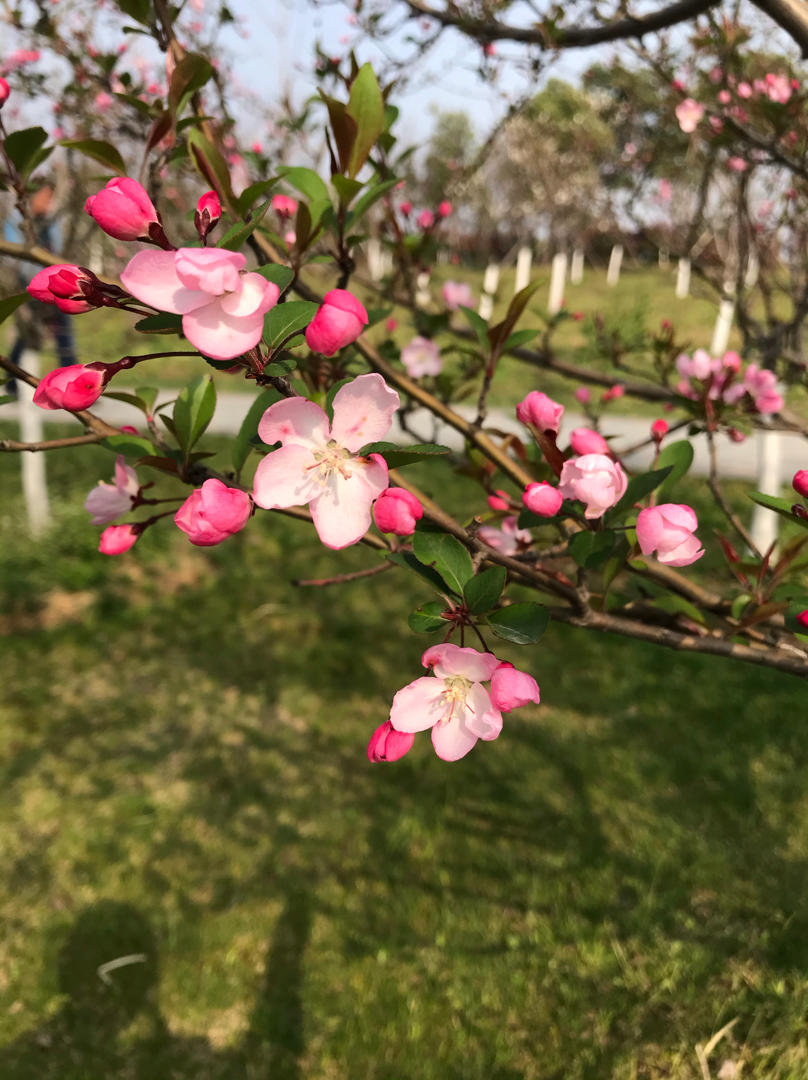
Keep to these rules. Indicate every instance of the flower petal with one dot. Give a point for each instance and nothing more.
(151, 276)
(282, 479)
(256, 296)
(481, 717)
(447, 660)
(452, 740)
(419, 705)
(363, 411)
(295, 420)
(219, 335)
(341, 511)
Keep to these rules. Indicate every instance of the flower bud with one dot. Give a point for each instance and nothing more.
(117, 539)
(425, 220)
(284, 205)
(61, 285)
(405, 208)
(5, 90)
(802, 619)
(212, 513)
(444, 208)
(499, 500)
(541, 411)
(123, 209)
(387, 744)
(800, 482)
(339, 321)
(511, 688)
(542, 499)
(75, 387)
(207, 214)
(586, 441)
(669, 530)
(659, 429)
(593, 479)
(396, 511)
(583, 394)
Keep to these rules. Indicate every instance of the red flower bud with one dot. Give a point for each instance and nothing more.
(800, 482)
(207, 214)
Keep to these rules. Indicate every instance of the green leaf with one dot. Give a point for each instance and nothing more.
(478, 325)
(139, 10)
(306, 181)
(286, 319)
(427, 618)
(249, 427)
(130, 399)
(438, 549)
(499, 334)
(23, 146)
(397, 456)
(523, 624)
(211, 165)
(366, 109)
(148, 395)
(739, 605)
(592, 549)
(521, 337)
(483, 591)
(131, 446)
(638, 488)
(280, 275)
(371, 196)
(189, 75)
(238, 234)
(253, 192)
(677, 455)
(103, 152)
(6, 399)
(9, 304)
(780, 506)
(406, 558)
(164, 323)
(193, 410)
(345, 188)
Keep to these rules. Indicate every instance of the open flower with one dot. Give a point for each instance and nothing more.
(108, 501)
(689, 114)
(222, 306)
(668, 529)
(509, 539)
(421, 357)
(593, 479)
(457, 294)
(319, 464)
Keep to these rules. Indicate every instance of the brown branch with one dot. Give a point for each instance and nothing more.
(342, 579)
(11, 445)
(720, 498)
(100, 427)
(791, 16)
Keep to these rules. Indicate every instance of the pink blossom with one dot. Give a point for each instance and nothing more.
(117, 539)
(584, 440)
(320, 465)
(700, 366)
(74, 388)
(659, 429)
(745, 90)
(761, 385)
(668, 529)
(123, 209)
(60, 285)
(689, 114)
(735, 435)
(731, 361)
(542, 499)
(222, 306)
(444, 208)
(387, 744)
(724, 97)
(457, 294)
(802, 619)
(490, 49)
(583, 394)
(207, 213)
(737, 164)
(452, 701)
(289, 237)
(5, 90)
(511, 688)
(593, 479)
(540, 411)
(800, 482)
(339, 321)
(778, 88)
(499, 500)
(390, 325)
(405, 208)
(509, 539)
(421, 357)
(103, 100)
(108, 501)
(425, 220)
(665, 190)
(396, 511)
(284, 205)
(212, 513)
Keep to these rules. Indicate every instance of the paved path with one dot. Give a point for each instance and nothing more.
(735, 459)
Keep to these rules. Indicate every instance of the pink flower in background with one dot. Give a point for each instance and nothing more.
(665, 190)
(319, 465)
(509, 539)
(284, 205)
(542, 499)
(584, 440)
(457, 294)
(452, 701)
(540, 411)
(222, 306)
(800, 482)
(689, 114)
(699, 366)
(761, 385)
(397, 511)
(103, 100)
(405, 208)
(5, 90)
(387, 744)
(737, 164)
(499, 500)
(123, 209)
(724, 97)
(802, 619)
(108, 501)
(593, 479)
(212, 513)
(659, 429)
(668, 530)
(74, 388)
(60, 285)
(444, 208)
(745, 90)
(117, 539)
(340, 320)
(613, 393)
(425, 220)
(511, 688)
(583, 394)
(421, 357)
(778, 88)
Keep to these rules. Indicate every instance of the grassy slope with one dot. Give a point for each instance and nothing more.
(183, 735)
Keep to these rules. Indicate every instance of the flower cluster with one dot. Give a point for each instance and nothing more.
(721, 379)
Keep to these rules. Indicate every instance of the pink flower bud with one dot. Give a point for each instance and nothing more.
(689, 114)
(668, 529)
(212, 513)
(390, 325)
(499, 500)
(207, 213)
(123, 209)
(593, 479)
(800, 482)
(5, 90)
(405, 208)
(543, 499)
(541, 411)
(61, 285)
(735, 435)
(117, 539)
(75, 387)
(457, 294)
(659, 429)
(284, 205)
(425, 220)
(396, 511)
(338, 322)
(583, 394)
(584, 440)
(444, 208)
(802, 618)
(387, 744)
(511, 688)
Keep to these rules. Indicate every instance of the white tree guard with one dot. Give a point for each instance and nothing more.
(683, 279)
(34, 483)
(723, 324)
(558, 277)
(577, 267)
(490, 282)
(770, 481)
(615, 263)
(524, 262)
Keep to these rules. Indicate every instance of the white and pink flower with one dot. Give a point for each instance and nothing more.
(689, 114)
(319, 464)
(108, 501)
(509, 540)
(668, 530)
(421, 357)
(593, 479)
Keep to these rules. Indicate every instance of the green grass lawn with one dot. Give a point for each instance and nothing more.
(618, 876)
